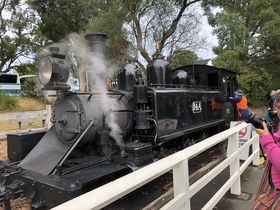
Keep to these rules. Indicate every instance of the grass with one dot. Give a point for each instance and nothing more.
(7, 126)
(30, 104)
(18, 104)
(22, 104)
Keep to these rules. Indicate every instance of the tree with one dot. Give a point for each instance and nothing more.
(250, 28)
(18, 33)
(62, 17)
(26, 68)
(132, 25)
(111, 19)
(248, 32)
(173, 24)
(182, 58)
(254, 82)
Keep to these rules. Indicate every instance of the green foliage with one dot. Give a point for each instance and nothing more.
(232, 33)
(8, 103)
(110, 20)
(182, 58)
(248, 34)
(228, 59)
(26, 68)
(255, 83)
(61, 17)
(30, 88)
(274, 70)
(18, 32)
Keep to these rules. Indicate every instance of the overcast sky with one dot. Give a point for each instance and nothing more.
(211, 39)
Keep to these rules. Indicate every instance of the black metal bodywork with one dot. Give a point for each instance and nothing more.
(80, 152)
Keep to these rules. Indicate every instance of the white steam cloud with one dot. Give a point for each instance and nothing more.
(97, 71)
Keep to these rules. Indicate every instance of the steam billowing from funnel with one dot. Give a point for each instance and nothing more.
(89, 53)
(98, 76)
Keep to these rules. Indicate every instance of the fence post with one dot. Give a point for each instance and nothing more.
(20, 125)
(181, 183)
(49, 115)
(256, 146)
(233, 144)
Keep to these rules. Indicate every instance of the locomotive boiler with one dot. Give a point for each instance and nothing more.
(101, 135)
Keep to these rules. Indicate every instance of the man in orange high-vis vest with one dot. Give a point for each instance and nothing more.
(216, 103)
(241, 104)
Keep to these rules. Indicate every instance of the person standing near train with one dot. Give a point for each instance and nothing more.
(241, 104)
(271, 113)
(271, 105)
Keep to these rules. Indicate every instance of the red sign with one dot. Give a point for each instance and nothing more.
(243, 132)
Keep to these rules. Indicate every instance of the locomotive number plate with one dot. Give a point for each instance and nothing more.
(196, 107)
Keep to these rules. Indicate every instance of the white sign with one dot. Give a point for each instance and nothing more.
(244, 135)
(196, 107)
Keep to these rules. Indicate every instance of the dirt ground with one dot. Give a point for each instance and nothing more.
(20, 203)
(259, 111)
(3, 150)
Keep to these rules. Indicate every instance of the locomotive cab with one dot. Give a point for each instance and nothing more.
(214, 78)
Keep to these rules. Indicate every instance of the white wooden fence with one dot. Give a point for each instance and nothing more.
(177, 162)
(22, 117)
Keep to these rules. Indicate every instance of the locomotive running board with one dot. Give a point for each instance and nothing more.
(45, 155)
(168, 137)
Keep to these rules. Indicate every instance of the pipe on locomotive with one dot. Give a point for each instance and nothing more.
(74, 145)
(97, 43)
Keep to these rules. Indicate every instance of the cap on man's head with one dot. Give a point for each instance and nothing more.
(239, 92)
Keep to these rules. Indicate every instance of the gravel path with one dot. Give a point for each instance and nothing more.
(3, 149)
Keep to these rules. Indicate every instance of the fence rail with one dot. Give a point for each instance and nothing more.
(178, 162)
(22, 117)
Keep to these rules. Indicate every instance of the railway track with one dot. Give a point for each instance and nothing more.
(155, 193)
(160, 191)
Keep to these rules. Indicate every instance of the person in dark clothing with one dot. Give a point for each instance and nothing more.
(271, 113)
(271, 102)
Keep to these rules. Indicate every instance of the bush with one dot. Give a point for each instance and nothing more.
(31, 88)
(8, 103)
(256, 84)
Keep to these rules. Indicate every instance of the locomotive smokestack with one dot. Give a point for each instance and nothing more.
(98, 76)
(97, 43)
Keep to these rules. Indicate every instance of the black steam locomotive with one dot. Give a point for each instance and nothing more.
(84, 148)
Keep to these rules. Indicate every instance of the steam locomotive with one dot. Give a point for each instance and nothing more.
(104, 134)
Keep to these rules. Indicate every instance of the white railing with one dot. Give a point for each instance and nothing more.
(22, 117)
(178, 162)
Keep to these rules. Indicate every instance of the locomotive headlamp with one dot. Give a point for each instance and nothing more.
(53, 72)
(45, 70)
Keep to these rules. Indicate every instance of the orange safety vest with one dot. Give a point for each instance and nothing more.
(242, 104)
(215, 104)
